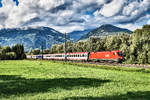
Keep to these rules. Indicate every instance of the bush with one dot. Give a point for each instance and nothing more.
(11, 56)
(149, 57)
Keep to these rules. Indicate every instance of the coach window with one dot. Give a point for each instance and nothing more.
(114, 53)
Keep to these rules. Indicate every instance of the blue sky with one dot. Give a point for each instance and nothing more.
(73, 15)
(16, 1)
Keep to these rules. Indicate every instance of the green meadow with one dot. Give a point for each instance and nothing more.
(49, 80)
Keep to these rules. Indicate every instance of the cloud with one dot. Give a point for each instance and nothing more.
(113, 8)
(70, 15)
(148, 22)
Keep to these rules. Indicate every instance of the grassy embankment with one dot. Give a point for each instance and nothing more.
(38, 80)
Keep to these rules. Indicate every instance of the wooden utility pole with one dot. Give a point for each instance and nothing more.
(42, 49)
(65, 51)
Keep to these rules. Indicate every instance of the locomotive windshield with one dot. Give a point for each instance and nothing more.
(119, 54)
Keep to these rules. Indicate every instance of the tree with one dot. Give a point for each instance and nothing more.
(19, 50)
(140, 44)
(35, 51)
(6, 49)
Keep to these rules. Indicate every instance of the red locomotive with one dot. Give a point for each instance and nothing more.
(83, 56)
(107, 55)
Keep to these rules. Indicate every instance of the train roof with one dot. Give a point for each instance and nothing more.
(68, 53)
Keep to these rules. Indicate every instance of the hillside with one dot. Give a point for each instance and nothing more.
(76, 35)
(31, 37)
(105, 30)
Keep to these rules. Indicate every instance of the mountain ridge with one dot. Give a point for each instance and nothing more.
(105, 30)
(76, 35)
(31, 37)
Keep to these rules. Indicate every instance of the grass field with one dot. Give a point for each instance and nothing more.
(46, 80)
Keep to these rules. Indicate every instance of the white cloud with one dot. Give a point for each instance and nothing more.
(132, 27)
(148, 22)
(112, 8)
(70, 15)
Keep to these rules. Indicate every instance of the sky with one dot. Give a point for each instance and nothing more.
(74, 15)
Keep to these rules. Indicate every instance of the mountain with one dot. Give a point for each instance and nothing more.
(31, 37)
(76, 35)
(105, 30)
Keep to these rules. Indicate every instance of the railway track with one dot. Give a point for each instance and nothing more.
(109, 64)
(117, 64)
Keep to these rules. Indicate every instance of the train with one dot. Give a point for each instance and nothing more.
(115, 56)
